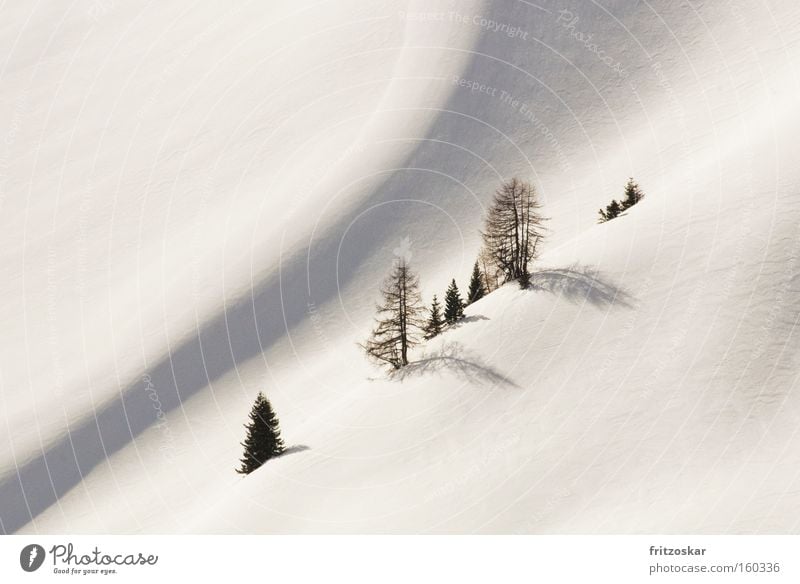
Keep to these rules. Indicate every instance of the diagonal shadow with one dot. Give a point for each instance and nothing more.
(581, 284)
(453, 358)
(244, 330)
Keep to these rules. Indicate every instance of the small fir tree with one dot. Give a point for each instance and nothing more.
(453, 305)
(633, 194)
(263, 439)
(613, 210)
(477, 289)
(435, 321)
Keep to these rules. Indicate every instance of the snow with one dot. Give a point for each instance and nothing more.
(199, 203)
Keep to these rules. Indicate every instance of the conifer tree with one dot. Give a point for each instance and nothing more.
(435, 321)
(263, 439)
(613, 209)
(453, 305)
(633, 194)
(477, 289)
(399, 319)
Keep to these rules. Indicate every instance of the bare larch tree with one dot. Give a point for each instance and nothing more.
(513, 230)
(399, 322)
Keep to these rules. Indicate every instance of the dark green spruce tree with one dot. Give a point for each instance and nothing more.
(435, 321)
(477, 289)
(263, 439)
(613, 209)
(633, 194)
(453, 305)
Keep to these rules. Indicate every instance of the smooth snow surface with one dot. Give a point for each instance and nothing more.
(199, 201)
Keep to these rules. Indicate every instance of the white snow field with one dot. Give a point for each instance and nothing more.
(200, 200)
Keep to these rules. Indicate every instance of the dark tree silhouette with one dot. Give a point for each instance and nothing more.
(513, 230)
(435, 320)
(477, 288)
(613, 209)
(399, 321)
(633, 194)
(453, 304)
(263, 439)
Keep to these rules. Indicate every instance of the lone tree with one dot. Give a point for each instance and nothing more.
(513, 230)
(477, 288)
(435, 321)
(453, 305)
(399, 319)
(263, 439)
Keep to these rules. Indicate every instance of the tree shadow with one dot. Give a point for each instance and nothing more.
(581, 284)
(472, 318)
(294, 450)
(453, 358)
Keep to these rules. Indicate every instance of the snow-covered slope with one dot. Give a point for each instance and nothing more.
(199, 203)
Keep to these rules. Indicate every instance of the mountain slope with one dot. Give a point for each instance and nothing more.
(207, 209)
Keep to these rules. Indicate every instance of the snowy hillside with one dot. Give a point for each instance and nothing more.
(200, 203)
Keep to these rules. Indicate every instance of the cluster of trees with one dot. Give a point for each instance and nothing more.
(633, 194)
(512, 233)
(454, 305)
